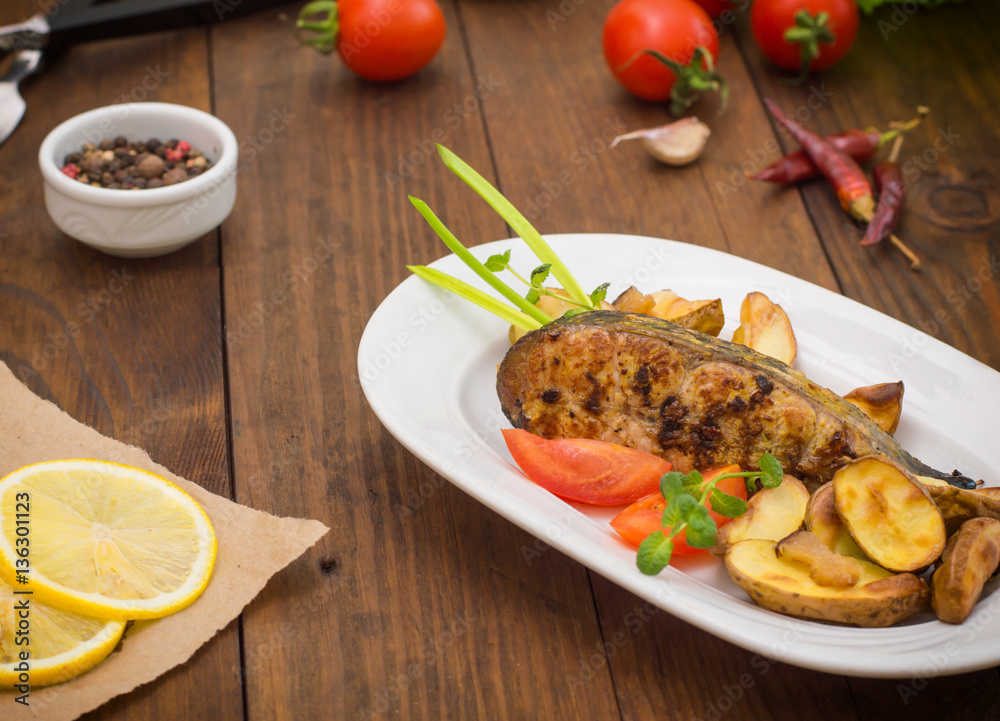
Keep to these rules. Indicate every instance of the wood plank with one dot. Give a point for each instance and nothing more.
(947, 60)
(565, 99)
(130, 347)
(419, 603)
(551, 124)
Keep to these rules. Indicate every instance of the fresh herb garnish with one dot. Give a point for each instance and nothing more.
(536, 289)
(526, 315)
(685, 495)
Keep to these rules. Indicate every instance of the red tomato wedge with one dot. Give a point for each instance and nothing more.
(587, 471)
(645, 516)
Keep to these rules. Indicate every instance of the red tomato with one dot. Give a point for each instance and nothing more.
(587, 471)
(672, 27)
(380, 40)
(770, 19)
(645, 516)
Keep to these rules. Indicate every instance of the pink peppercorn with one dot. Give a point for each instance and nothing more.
(70, 170)
(176, 154)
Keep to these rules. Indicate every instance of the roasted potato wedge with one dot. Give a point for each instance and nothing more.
(772, 514)
(765, 327)
(990, 492)
(704, 316)
(969, 559)
(633, 301)
(826, 568)
(878, 599)
(823, 520)
(883, 403)
(958, 505)
(889, 514)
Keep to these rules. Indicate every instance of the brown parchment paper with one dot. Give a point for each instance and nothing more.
(253, 546)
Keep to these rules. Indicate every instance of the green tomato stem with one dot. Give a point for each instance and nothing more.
(327, 27)
(808, 32)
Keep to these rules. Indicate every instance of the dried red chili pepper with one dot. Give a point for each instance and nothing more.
(848, 180)
(859, 144)
(845, 175)
(891, 194)
(798, 166)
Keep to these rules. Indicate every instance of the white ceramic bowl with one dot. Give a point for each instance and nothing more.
(147, 222)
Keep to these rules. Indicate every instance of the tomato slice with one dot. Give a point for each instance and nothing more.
(646, 515)
(578, 469)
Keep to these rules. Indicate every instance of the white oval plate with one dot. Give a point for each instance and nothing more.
(428, 361)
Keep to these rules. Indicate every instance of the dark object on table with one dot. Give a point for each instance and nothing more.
(75, 21)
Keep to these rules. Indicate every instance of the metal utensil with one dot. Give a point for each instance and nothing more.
(12, 105)
(75, 21)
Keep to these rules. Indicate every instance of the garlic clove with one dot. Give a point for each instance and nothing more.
(678, 143)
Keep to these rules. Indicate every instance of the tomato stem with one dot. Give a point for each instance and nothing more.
(691, 80)
(326, 28)
(808, 32)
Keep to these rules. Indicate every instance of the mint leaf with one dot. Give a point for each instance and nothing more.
(539, 274)
(726, 505)
(771, 471)
(671, 484)
(700, 531)
(679, 509)
(599, 294)
(532, 296)
(573, 311)
(693, 480)
(498, 262)
(654, 553)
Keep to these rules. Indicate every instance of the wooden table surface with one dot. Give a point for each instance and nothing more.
(420, 603)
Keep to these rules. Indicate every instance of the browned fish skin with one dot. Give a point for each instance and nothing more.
(692, 399)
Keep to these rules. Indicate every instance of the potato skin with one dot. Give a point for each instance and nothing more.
(823, 520)
(764, 326)
(958, 505)
(883, 402)
(969, 559)
(878, 600)
(988, 491)
(826, 568)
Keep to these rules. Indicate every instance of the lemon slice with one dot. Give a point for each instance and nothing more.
(60, 645)
(103, 539)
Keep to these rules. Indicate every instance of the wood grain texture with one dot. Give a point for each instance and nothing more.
(550, 128)
(419, 603)
(945, 60)
(130, 347)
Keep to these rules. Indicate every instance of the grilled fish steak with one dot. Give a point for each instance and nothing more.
(695, 400)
